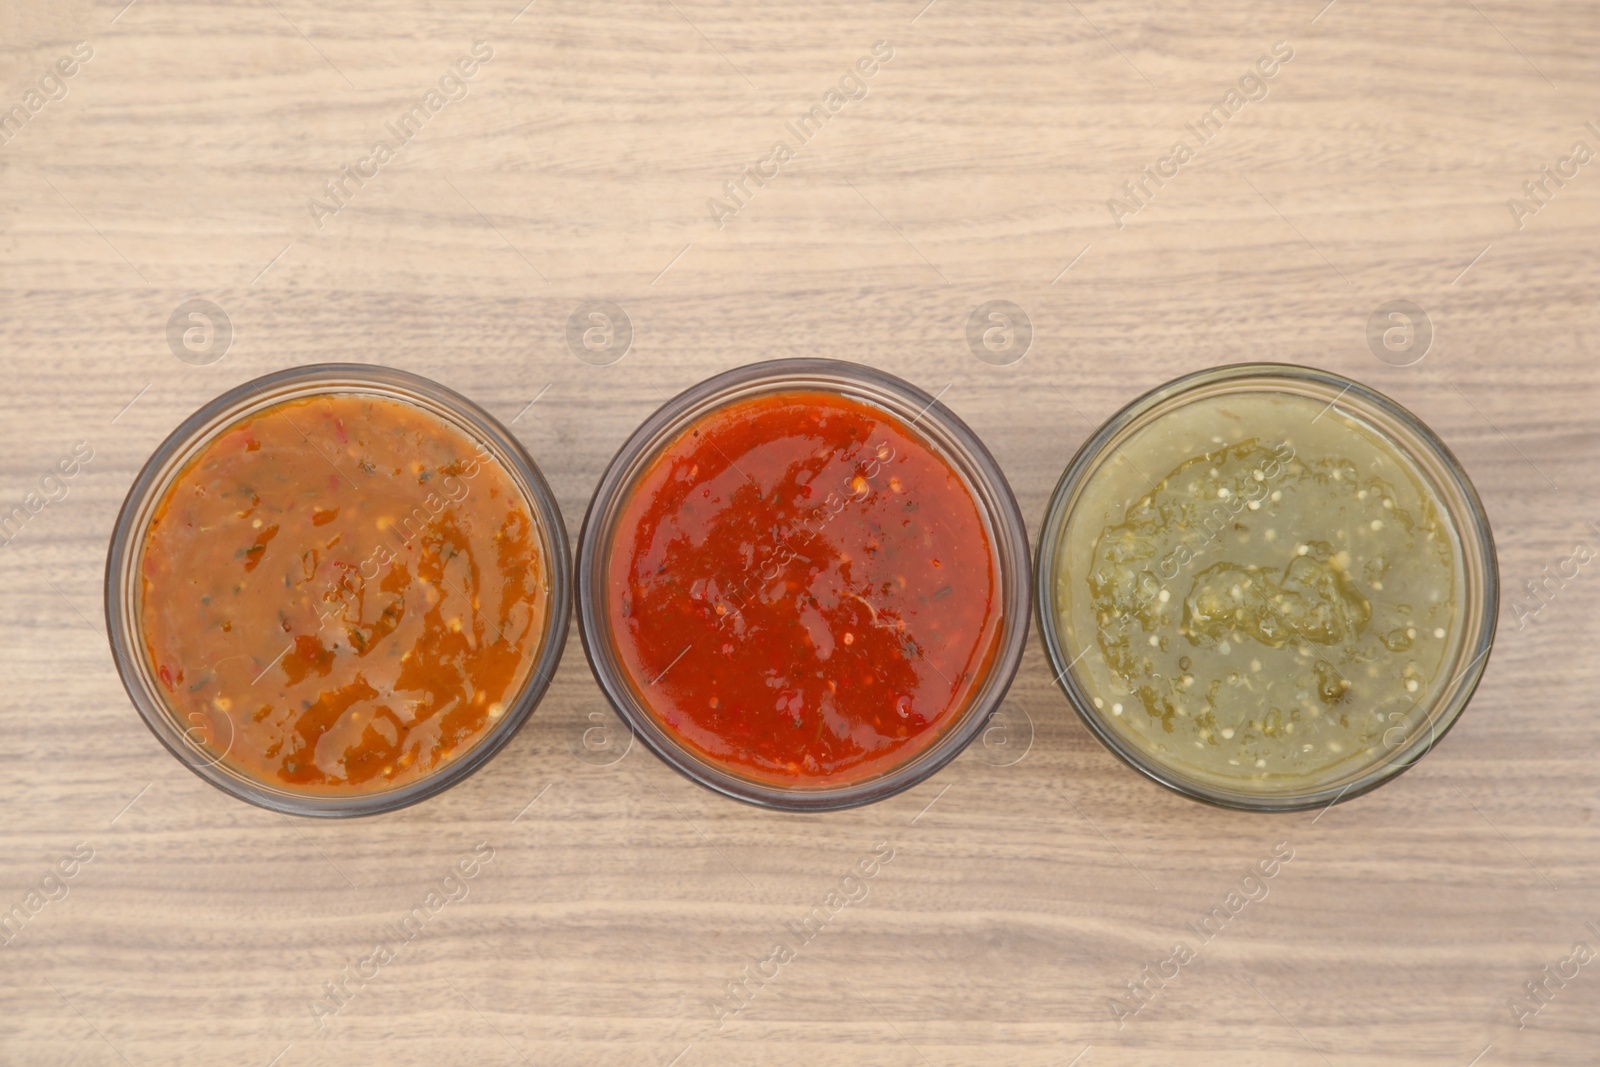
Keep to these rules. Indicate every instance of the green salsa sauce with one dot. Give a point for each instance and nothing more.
(1263, 589)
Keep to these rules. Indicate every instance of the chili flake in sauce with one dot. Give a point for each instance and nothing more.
(803, 590)
(342, 594)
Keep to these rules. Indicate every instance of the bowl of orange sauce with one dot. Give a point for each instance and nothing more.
(337, 590)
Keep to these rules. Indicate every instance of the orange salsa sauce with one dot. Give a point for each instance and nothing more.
(803, 590)
(341, 594)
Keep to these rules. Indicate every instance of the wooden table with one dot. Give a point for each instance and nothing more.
(575, 165)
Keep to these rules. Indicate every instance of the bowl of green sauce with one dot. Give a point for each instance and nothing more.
(1267, 587)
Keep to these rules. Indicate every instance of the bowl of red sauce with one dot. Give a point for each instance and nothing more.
(337, 590)
(804, 584)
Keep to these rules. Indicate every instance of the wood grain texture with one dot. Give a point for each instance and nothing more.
(978, 166)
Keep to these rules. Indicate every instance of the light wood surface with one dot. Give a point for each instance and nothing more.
(622, 899)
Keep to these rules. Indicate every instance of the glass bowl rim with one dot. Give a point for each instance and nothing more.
(956, 442)
(1478, 536)
(202, 427)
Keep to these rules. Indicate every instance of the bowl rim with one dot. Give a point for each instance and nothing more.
(972, 461)
(201, 428)
(1454, 699)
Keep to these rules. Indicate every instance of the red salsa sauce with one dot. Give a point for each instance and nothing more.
(341, 594)
(803, 590)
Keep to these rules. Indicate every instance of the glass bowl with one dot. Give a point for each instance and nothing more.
(124, 593)
(1084, 626)
(943, 433)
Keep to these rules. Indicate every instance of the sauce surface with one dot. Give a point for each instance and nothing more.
(341, 594)
(1276, 607)
(803, 590)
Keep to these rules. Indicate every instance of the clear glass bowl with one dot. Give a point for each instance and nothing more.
(1420, 723)
(943, 432)
(124, 594)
